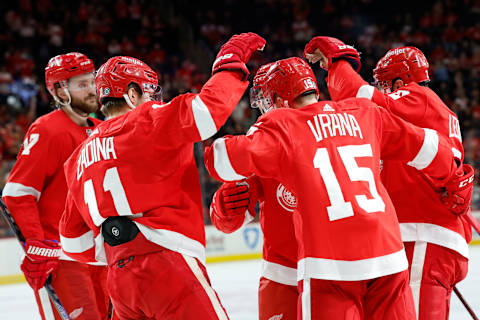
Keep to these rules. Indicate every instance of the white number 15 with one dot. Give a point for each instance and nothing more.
(339, 208)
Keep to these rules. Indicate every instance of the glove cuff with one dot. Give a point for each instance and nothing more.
(233, 66)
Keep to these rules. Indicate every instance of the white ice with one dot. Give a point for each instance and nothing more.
(237, 283)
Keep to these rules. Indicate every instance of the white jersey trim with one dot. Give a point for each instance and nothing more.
(63, 256)
(343, 270)
(416, 272)
(278, 273)
(203, 119)
(198, 273)
(435, 234)
(174, 241)
(168, 239)
(457, 153)
(13, 189)
(306, 300)
(221, 162)
(79, 244)
(427, 152)
(365, 91)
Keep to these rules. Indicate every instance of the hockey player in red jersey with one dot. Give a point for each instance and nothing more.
(233, 204)
(351, 260)
(36, 190)
(435, 239)
(135, 198)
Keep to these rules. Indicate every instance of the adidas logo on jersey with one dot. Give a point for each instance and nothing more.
(327, 108)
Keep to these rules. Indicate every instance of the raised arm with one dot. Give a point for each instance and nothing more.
(342, 63)
(196, 117)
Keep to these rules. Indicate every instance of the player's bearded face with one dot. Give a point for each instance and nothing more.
(83, 92)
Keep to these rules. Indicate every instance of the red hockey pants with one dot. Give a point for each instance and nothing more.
(434, 271)
(162, 284)
(82, 290)
(276, 300)
(387, 297)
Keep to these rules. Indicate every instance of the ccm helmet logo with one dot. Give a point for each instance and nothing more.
(465, 182)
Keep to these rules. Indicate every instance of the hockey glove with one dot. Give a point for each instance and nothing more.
(459, 190)
(327, 50)
(237, 51)
(41, 259)
(229, 206)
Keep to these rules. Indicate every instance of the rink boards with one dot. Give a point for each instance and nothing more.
(245, 243)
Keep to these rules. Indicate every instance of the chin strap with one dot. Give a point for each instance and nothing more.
(128, 101)
(64, 104)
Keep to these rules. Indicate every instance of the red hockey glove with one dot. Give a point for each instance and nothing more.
(459, 190)
(236, 52)
(329, 51)
(229, 205)
(40, 261)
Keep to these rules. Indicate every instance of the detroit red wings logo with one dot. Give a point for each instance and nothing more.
(286, 199)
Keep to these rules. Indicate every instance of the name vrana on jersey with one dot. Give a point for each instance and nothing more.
(96, 150)
(331, 125)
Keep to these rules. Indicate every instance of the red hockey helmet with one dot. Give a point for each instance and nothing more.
(117, 73)
(65, 66)
(287, 79)
(406, 63)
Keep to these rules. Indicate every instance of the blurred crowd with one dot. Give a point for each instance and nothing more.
(180, 39)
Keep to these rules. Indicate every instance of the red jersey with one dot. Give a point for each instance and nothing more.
(421, 214)
(279, 244)
(328, 155)
(36, 190)
(141, 165)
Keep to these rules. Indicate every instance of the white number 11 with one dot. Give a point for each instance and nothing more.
(339, 208)
(112, 183)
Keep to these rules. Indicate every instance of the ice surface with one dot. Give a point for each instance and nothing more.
(237, 283)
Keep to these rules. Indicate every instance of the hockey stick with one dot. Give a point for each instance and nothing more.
(460, 297)
(473, 222)
(48, 285)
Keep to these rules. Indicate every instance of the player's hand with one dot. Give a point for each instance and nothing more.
(459, 190)
(41, 259)
(327, 50)
(234, 54)
(234, 198)
(229, 205)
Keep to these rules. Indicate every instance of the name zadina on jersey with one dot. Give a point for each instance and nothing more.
(94, 151)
